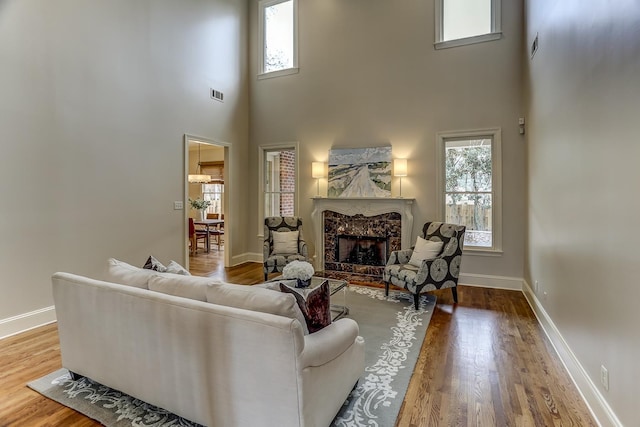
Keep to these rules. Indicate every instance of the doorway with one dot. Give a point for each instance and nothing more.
(210, 158)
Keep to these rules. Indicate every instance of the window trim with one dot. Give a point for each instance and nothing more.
(262, 5)
(262, 150)
(495, 34)
(496, 182)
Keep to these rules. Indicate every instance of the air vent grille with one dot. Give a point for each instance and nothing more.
(217, 95)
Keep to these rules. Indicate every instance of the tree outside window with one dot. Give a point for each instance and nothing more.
(468, 188)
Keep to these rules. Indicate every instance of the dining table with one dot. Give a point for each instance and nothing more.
(209, 224)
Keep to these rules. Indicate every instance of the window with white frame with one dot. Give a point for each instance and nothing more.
(278, 37)
(278, 181)
(214, 193)
(462, 22)
(470, 185)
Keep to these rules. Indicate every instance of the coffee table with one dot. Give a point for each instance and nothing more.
(335, 286)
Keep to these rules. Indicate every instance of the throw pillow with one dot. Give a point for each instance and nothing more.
(285, 242)
(176, 268)
(127, 274)
(153, 264)
(424, 250)
(315, 307)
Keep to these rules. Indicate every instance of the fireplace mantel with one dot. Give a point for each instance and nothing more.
(367, 206)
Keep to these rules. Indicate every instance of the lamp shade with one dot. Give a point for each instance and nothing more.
(317, 170)
(399, 167)
(199, 179)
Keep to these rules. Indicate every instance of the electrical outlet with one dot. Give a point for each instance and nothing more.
(604, 377)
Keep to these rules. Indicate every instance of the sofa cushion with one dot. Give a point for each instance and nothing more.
(256, 299)
(314, 305)
(127, 274)
(192, 287)
(285, 242)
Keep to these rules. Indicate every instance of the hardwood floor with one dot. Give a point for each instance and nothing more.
(484, 362)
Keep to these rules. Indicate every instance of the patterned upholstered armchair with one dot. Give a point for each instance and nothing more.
(439, 273)
(281, 252)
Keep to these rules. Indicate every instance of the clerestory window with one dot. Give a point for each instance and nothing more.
(462, 22)
(278, 33)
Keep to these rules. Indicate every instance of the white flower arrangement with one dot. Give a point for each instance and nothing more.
(298, 270)
(199, 204)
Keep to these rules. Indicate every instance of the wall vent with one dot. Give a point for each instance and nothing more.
(217, 95)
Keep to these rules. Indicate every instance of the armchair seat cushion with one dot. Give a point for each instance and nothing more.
(281, 260)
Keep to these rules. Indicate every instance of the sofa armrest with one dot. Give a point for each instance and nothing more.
(328, 343)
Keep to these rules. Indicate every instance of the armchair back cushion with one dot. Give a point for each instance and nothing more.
(285, 242)
(425, 250)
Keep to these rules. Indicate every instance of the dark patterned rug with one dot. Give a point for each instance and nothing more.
(393, 333)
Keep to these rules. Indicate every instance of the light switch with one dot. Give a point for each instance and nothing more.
(178, 205)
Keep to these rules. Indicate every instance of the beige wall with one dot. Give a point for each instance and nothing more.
(369, 75)
(583, 151)
(96, 99)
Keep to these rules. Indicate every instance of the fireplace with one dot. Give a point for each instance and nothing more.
(355, 236)
(363, 250)
(356, 246)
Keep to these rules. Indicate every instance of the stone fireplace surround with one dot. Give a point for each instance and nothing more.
(389, 218)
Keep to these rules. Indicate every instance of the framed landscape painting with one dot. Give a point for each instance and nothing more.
(360, 172)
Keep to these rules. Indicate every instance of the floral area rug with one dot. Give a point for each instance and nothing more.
(393, 333)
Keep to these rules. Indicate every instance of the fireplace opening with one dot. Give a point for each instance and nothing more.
(363, 250)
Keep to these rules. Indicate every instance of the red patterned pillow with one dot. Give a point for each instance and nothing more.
(314, 305)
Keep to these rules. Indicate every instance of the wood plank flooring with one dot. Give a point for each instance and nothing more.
(484, 362)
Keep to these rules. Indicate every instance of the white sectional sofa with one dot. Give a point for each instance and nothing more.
(215, 353)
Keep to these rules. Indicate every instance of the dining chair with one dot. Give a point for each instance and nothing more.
(216, 232)
(194, 236)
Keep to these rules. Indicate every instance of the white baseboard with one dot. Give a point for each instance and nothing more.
(486, 281)
(596, 403)
(246, 257)
(23, 322)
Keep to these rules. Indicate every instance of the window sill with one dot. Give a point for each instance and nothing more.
(476, 251)
(285, 72)
(468, 40)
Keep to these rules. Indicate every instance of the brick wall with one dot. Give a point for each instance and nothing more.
(287, 181)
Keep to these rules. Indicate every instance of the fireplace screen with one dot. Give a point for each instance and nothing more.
(363, 250)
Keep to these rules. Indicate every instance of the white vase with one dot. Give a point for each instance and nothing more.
(203, 214)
